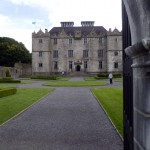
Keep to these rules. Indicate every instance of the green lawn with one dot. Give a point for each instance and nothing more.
(112, 101)
(75, 83)
(89, 79)
(94, 79)
(118, 79)
(12, 105)
(64, 78)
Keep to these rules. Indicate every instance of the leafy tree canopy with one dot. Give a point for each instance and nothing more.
(12, 51)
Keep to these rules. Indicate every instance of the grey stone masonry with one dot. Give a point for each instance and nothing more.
(141, 95)
(86, 49)
(139, 19)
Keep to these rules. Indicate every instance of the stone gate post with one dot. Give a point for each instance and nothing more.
(139, 19)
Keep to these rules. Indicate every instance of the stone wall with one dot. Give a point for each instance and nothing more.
(23, 69)
(19, 70)
(2, 71)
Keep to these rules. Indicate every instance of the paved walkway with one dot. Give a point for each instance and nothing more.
(67, 119)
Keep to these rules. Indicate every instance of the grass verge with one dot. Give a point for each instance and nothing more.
(111, 100)
(118, 79)
(75, 83)
(94, 79)
(14, 104)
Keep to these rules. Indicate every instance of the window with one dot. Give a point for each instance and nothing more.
(40, 40)
(101, 40)
(55, 65)
(85, 64)
(55, 54)
(116, 65)
(55, 41)
(116, 39)
(100, 53)
(70, 41)
(40, 54)
(70, 53)
(100, 64)
(85, 53)
(115, 53)
(40, 65)
(85, 40)
(70, 65)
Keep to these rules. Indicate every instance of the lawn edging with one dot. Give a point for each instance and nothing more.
(107, 114)
(26, 108)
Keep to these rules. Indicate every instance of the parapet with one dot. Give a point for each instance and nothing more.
(114, 32)
(40, 33)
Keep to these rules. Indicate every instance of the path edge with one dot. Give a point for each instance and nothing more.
(18, 114)
(107, 115)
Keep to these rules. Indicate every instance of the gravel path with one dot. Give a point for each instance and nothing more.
(70, 118)
(76, 79)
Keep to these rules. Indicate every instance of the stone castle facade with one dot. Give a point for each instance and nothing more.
(84, 49)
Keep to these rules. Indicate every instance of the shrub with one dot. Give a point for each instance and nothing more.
(7, 91)
(9, 80)
(98, 78)
(101, 76)
(7, 72)
(117, 75)
(105, 76)
(51, 77)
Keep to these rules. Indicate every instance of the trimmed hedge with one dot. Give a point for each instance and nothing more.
(9, 80)
(105, 76)
(52, 77)
(7, 91)
(98, 78)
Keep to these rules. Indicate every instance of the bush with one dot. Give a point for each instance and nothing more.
(101, 76)
(9, 80)
(117, 75)
(7, 91)
(98, 78)
(52, 77)
(105, 76)
(7, 72)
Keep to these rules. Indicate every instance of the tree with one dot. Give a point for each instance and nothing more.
(12, 51)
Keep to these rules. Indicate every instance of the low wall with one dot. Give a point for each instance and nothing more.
(20, 70)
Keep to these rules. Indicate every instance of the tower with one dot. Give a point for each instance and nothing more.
(41, 53)
(114, 51)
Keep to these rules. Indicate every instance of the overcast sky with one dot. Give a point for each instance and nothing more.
(16, 16)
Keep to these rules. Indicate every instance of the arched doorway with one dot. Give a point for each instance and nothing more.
(78, 68)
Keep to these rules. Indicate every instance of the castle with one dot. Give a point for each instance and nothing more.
(84, 49)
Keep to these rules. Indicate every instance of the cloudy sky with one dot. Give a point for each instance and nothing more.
(17, 16)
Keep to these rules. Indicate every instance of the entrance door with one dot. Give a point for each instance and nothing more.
(78, 68)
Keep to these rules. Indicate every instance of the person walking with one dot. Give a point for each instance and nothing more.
(110, 76)
(62, 73)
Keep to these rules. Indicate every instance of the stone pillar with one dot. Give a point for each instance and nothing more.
(138, 12)
(140, 53)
